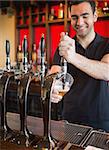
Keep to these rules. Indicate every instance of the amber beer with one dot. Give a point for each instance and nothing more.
(62, 92)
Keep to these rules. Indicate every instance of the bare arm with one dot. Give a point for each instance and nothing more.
(94, 68)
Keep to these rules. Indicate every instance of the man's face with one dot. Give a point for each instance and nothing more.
(82, 18)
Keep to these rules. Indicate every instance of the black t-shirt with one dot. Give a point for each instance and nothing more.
(88, 99)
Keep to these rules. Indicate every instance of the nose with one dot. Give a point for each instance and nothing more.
(80, 21)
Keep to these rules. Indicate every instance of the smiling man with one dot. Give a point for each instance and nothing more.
(87, 54)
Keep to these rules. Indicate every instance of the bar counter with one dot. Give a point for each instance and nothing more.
(35, 125)
(67, 136)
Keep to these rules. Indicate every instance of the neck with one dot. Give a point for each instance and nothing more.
(86, 40)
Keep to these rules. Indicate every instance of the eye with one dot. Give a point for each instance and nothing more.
(85, 16)
(74, 17)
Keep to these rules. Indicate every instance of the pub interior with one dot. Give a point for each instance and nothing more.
(29, 35)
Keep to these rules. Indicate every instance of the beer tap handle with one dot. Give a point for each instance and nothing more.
(42, 47)
(8, 66)
(25, 62)
(7, 48)
(25, 45)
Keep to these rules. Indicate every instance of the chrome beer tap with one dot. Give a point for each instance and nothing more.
(23, 136)
(7, 76)
(47, 142)
(64, 63)
(25, 60)
(64, 67)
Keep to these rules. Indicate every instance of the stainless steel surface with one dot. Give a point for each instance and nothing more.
(98, 139)
(61, 130)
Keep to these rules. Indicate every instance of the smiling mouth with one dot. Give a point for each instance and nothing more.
(80, 29)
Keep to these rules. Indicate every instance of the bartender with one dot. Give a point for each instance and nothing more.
(87, 55)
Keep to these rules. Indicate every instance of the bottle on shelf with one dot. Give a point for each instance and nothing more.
(99, 9)
(60, 11)
(43, 18)
(19, 53)
(105, 9)
(34, 57)
(38, 55)
(52, 14)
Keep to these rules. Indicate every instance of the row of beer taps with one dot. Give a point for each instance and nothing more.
(23, 78)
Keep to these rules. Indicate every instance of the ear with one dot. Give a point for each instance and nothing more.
(95, 15)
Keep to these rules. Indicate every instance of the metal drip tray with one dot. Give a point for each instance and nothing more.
(98, 139)
(71, 133)
(62, 131)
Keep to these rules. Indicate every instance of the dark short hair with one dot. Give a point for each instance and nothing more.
(76, 2)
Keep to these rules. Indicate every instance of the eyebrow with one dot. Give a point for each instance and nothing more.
(84, 14)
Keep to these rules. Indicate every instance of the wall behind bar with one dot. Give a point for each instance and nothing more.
(7, 32)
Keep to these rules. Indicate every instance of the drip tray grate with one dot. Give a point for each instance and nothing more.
(98, 139)
(72, 133)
